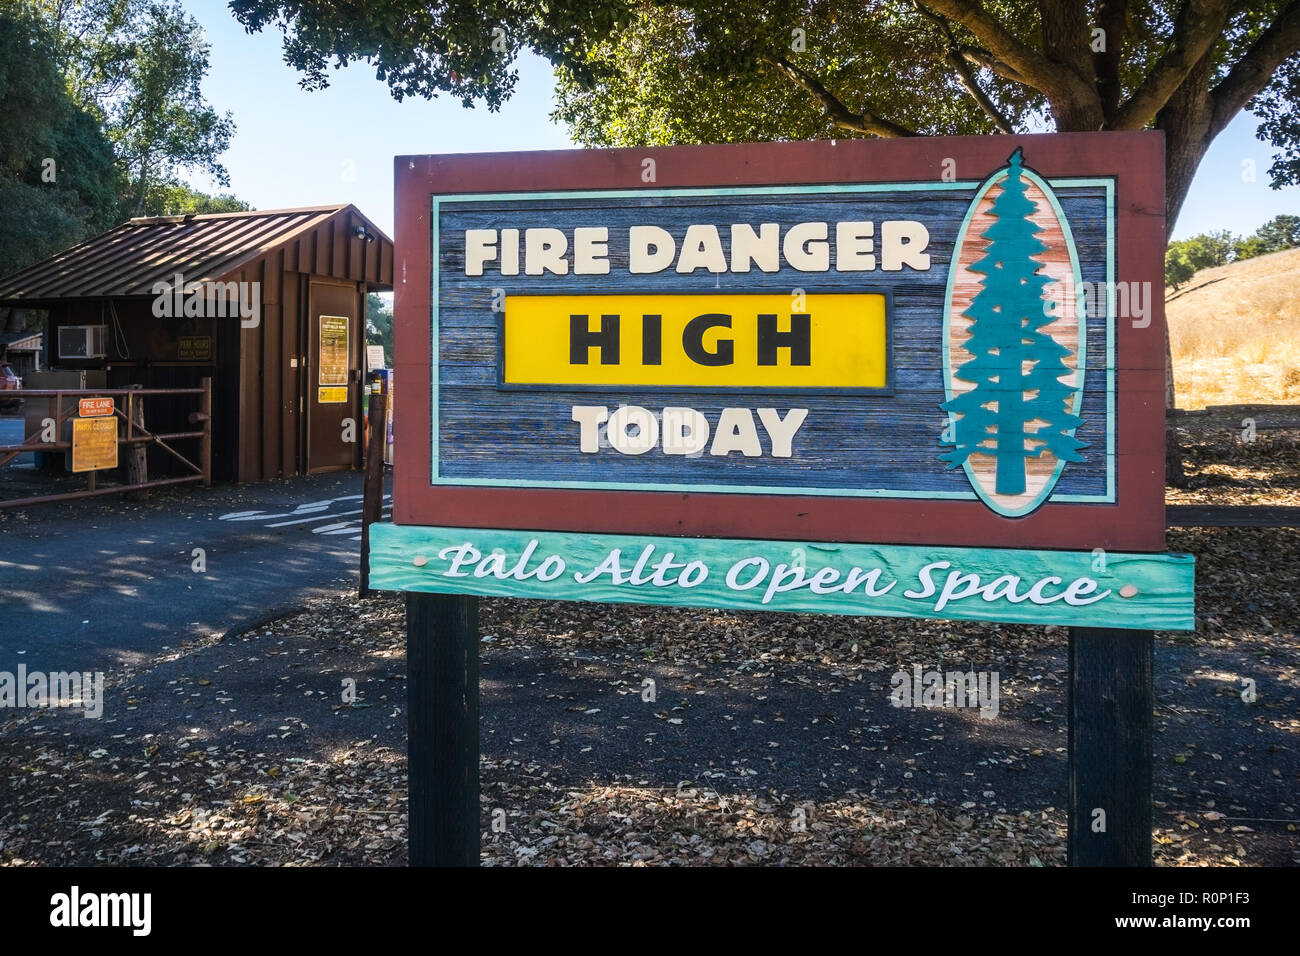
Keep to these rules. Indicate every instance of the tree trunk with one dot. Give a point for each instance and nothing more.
(137, 462)
(140, 188)
(1186, 122)
(17, 319)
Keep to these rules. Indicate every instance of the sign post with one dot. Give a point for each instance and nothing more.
(909, 378)
(1109, 747)
(372, 497)
(442, 727)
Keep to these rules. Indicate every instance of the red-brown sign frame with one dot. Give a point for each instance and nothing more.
(1135, 522)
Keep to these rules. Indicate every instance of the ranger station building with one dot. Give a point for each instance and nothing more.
(271, 305)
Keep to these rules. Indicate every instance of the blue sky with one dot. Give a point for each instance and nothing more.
(294, 148)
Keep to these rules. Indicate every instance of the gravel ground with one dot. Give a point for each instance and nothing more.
(1223, 469)
(770, 738)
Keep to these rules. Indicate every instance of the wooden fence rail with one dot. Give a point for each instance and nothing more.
(132, 433)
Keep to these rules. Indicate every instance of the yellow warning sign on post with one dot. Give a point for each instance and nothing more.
(773, 341)
(94, 443)
(332, 395)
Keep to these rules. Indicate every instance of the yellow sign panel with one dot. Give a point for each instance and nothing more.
(332, 369)
(332, 395)
(193, 348)
(738, 341)
(94, 443)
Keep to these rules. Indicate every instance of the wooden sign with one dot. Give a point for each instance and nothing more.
(911, 378)
(977, 584)
(94, 407)
(931, 345)
(94, 443)
(194, 348)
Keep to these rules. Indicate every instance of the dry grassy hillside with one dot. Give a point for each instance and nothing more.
(1235, 333)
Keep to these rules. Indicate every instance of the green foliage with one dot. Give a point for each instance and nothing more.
(1248, 247)
(1278, 108)
(379, 326)
(172, 198)
(635, 73)
(422, 48)
(58, 178)
(1185, 257)
(673, 76)
(35, 225)
(657, 73)
(1178, 268)
(1280, 232)
(100, 109)
(138, 66)
(1208, 249)
(651, 102)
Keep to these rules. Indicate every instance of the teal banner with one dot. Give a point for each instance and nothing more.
(1071, 588)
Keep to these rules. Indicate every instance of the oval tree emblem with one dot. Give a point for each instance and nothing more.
(1013, 343)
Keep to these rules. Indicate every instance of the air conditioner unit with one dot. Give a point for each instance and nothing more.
(82, 341)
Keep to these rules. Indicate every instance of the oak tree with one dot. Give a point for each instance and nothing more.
(680, 71)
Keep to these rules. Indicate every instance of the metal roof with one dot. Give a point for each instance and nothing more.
(131, 259)
(16, 340)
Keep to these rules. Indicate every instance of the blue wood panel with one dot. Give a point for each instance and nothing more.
(849, 444)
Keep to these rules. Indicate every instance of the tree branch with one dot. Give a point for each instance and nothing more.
(1196, 29)
(1253, 71)
(1065, 37)
(1031, 67)
(986, 60)
(954, 58)
(1073, 99)
(1112, 18)
(839, 114)
(967, 79)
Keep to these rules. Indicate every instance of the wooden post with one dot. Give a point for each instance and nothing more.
(205, 443)
(48, 461)
(442, 728)
(137, 460)
(372, 500)
(1110, 702)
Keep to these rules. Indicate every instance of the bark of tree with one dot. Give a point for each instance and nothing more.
(1186, 122)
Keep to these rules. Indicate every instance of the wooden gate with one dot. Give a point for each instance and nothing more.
(70, 405)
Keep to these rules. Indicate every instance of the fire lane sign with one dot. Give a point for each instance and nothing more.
(93, 407)
(935, 364)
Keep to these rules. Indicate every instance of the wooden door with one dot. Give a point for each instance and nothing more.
(332, 376)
